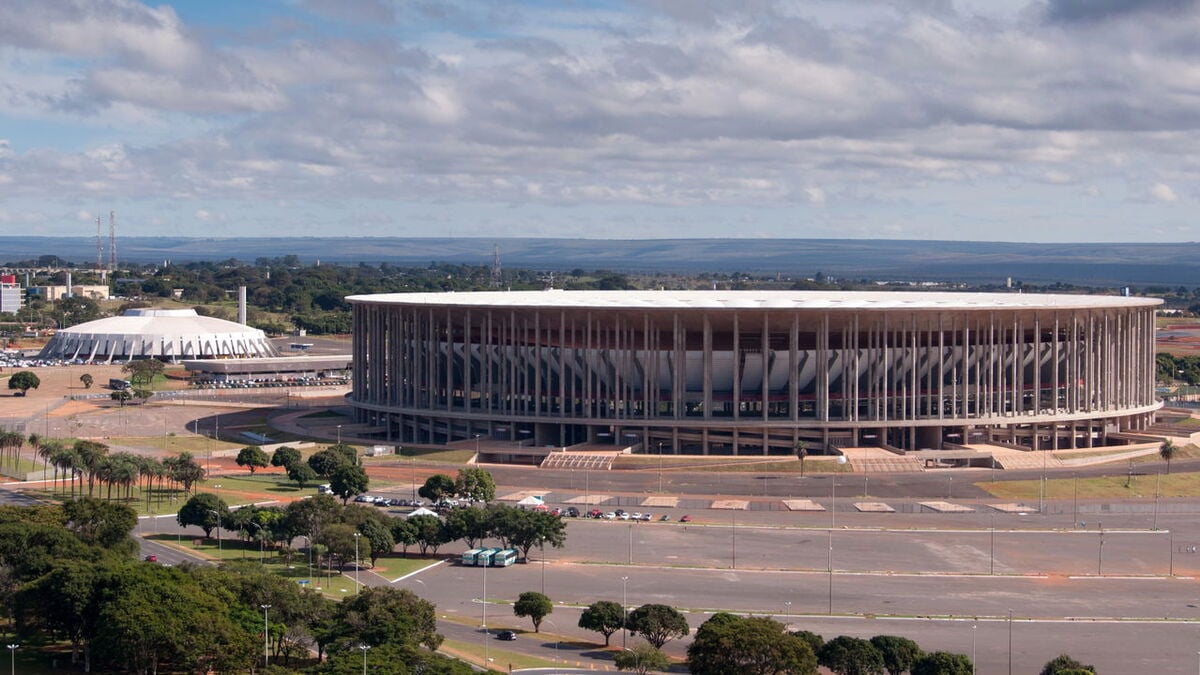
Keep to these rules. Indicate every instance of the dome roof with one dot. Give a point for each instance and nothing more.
(164, 333)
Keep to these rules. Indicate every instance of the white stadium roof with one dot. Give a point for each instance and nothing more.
(166, 333)
(770, 300)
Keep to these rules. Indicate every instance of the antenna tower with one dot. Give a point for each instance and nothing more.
(112, 241)
(496, 277)
(99, 250)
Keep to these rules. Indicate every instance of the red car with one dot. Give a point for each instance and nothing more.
(685, 519)
(151, 558)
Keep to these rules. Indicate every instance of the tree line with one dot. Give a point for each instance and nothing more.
(73, 581)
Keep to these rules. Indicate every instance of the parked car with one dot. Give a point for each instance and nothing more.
(685, 519)
(506, 635)
(646, 517)
(572, 512)
(610, 516)
(665, 517)
(556, 511)
(595, 513)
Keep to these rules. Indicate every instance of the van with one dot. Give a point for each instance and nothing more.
(325, 489)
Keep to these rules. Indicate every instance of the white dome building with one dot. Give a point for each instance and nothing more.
(159, 333)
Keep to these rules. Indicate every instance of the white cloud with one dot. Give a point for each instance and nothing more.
(663, 105)
(1163, 193)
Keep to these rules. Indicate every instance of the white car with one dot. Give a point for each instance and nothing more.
(624, 516)
(610, 516)
(637, 515)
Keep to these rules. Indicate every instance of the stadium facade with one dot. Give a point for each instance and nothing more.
(750, 372)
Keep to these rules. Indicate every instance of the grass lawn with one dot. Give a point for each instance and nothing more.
(501, 658)
(395, 565)
(234, 490)
(197, 445)
(436, 454)
(1106, 487)
(295, 566)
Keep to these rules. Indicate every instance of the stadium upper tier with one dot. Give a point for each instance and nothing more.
(754, 371)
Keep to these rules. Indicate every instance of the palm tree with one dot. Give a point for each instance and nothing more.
(91, 455)
(1167, 451)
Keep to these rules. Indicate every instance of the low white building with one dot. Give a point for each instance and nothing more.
(160, 333)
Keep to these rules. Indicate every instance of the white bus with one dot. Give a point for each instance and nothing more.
(504, 558)
(468, 558)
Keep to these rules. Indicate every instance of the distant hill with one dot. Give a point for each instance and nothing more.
(903, 260)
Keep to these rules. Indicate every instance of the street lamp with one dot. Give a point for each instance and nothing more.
(308, 550)
(357, 535)
(12, 651)
(364, 647)
(266, 636)
(218, 515)
(624, 611)
(973, 649)
(787, 612)
(339, 434)
(660, 466)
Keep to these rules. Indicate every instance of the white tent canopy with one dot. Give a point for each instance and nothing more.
(159, 333)
(531, 500)
(421, 512)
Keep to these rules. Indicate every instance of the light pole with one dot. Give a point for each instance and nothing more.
(477, 447)
(1075, 479)
(357, 535)
(308, 550)
(660, 466)
(973, 649)
(629, 561)
(12, 651)
(484, 606)
(1100, 555)
(364, 647)
(787, 612)
(266, 636)
(218, 515)
(1010, 642)
(339, 434)
(624, 611)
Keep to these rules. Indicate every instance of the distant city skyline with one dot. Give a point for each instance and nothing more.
(978, 120)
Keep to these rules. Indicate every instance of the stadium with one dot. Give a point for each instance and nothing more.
(754, 372)
(159, 333)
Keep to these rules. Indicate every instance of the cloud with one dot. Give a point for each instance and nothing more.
(1163, 193)
(659, 104)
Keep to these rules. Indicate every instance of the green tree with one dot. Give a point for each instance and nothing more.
(535, 606)
(285, 456)
(142, 395)
(429, 531)
(386, 615)
(472, 525)
(326, 462)
(204, 510)
(846, 655)
(379, 538)
(1167, 451)
(23, 381)
(657, 623)
(641, 659)
(605, 617)
(100, 523)
(143, 371)
(339, 541)
(899, 653)
(1065, 665)
(253, 457)
(302, 473)
(943, 663)
(755, 645)
(404, 533)
(527, 529)
(348, 480)
(815, 641)
(87, 380)
(184, 469)
(121, 396)
(475, 484)
(437, 487)
(66, 600)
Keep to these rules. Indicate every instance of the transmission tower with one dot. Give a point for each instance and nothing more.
(496, 278)
(112, 241)
(99, 251)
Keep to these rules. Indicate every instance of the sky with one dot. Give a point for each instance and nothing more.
(980, 120)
